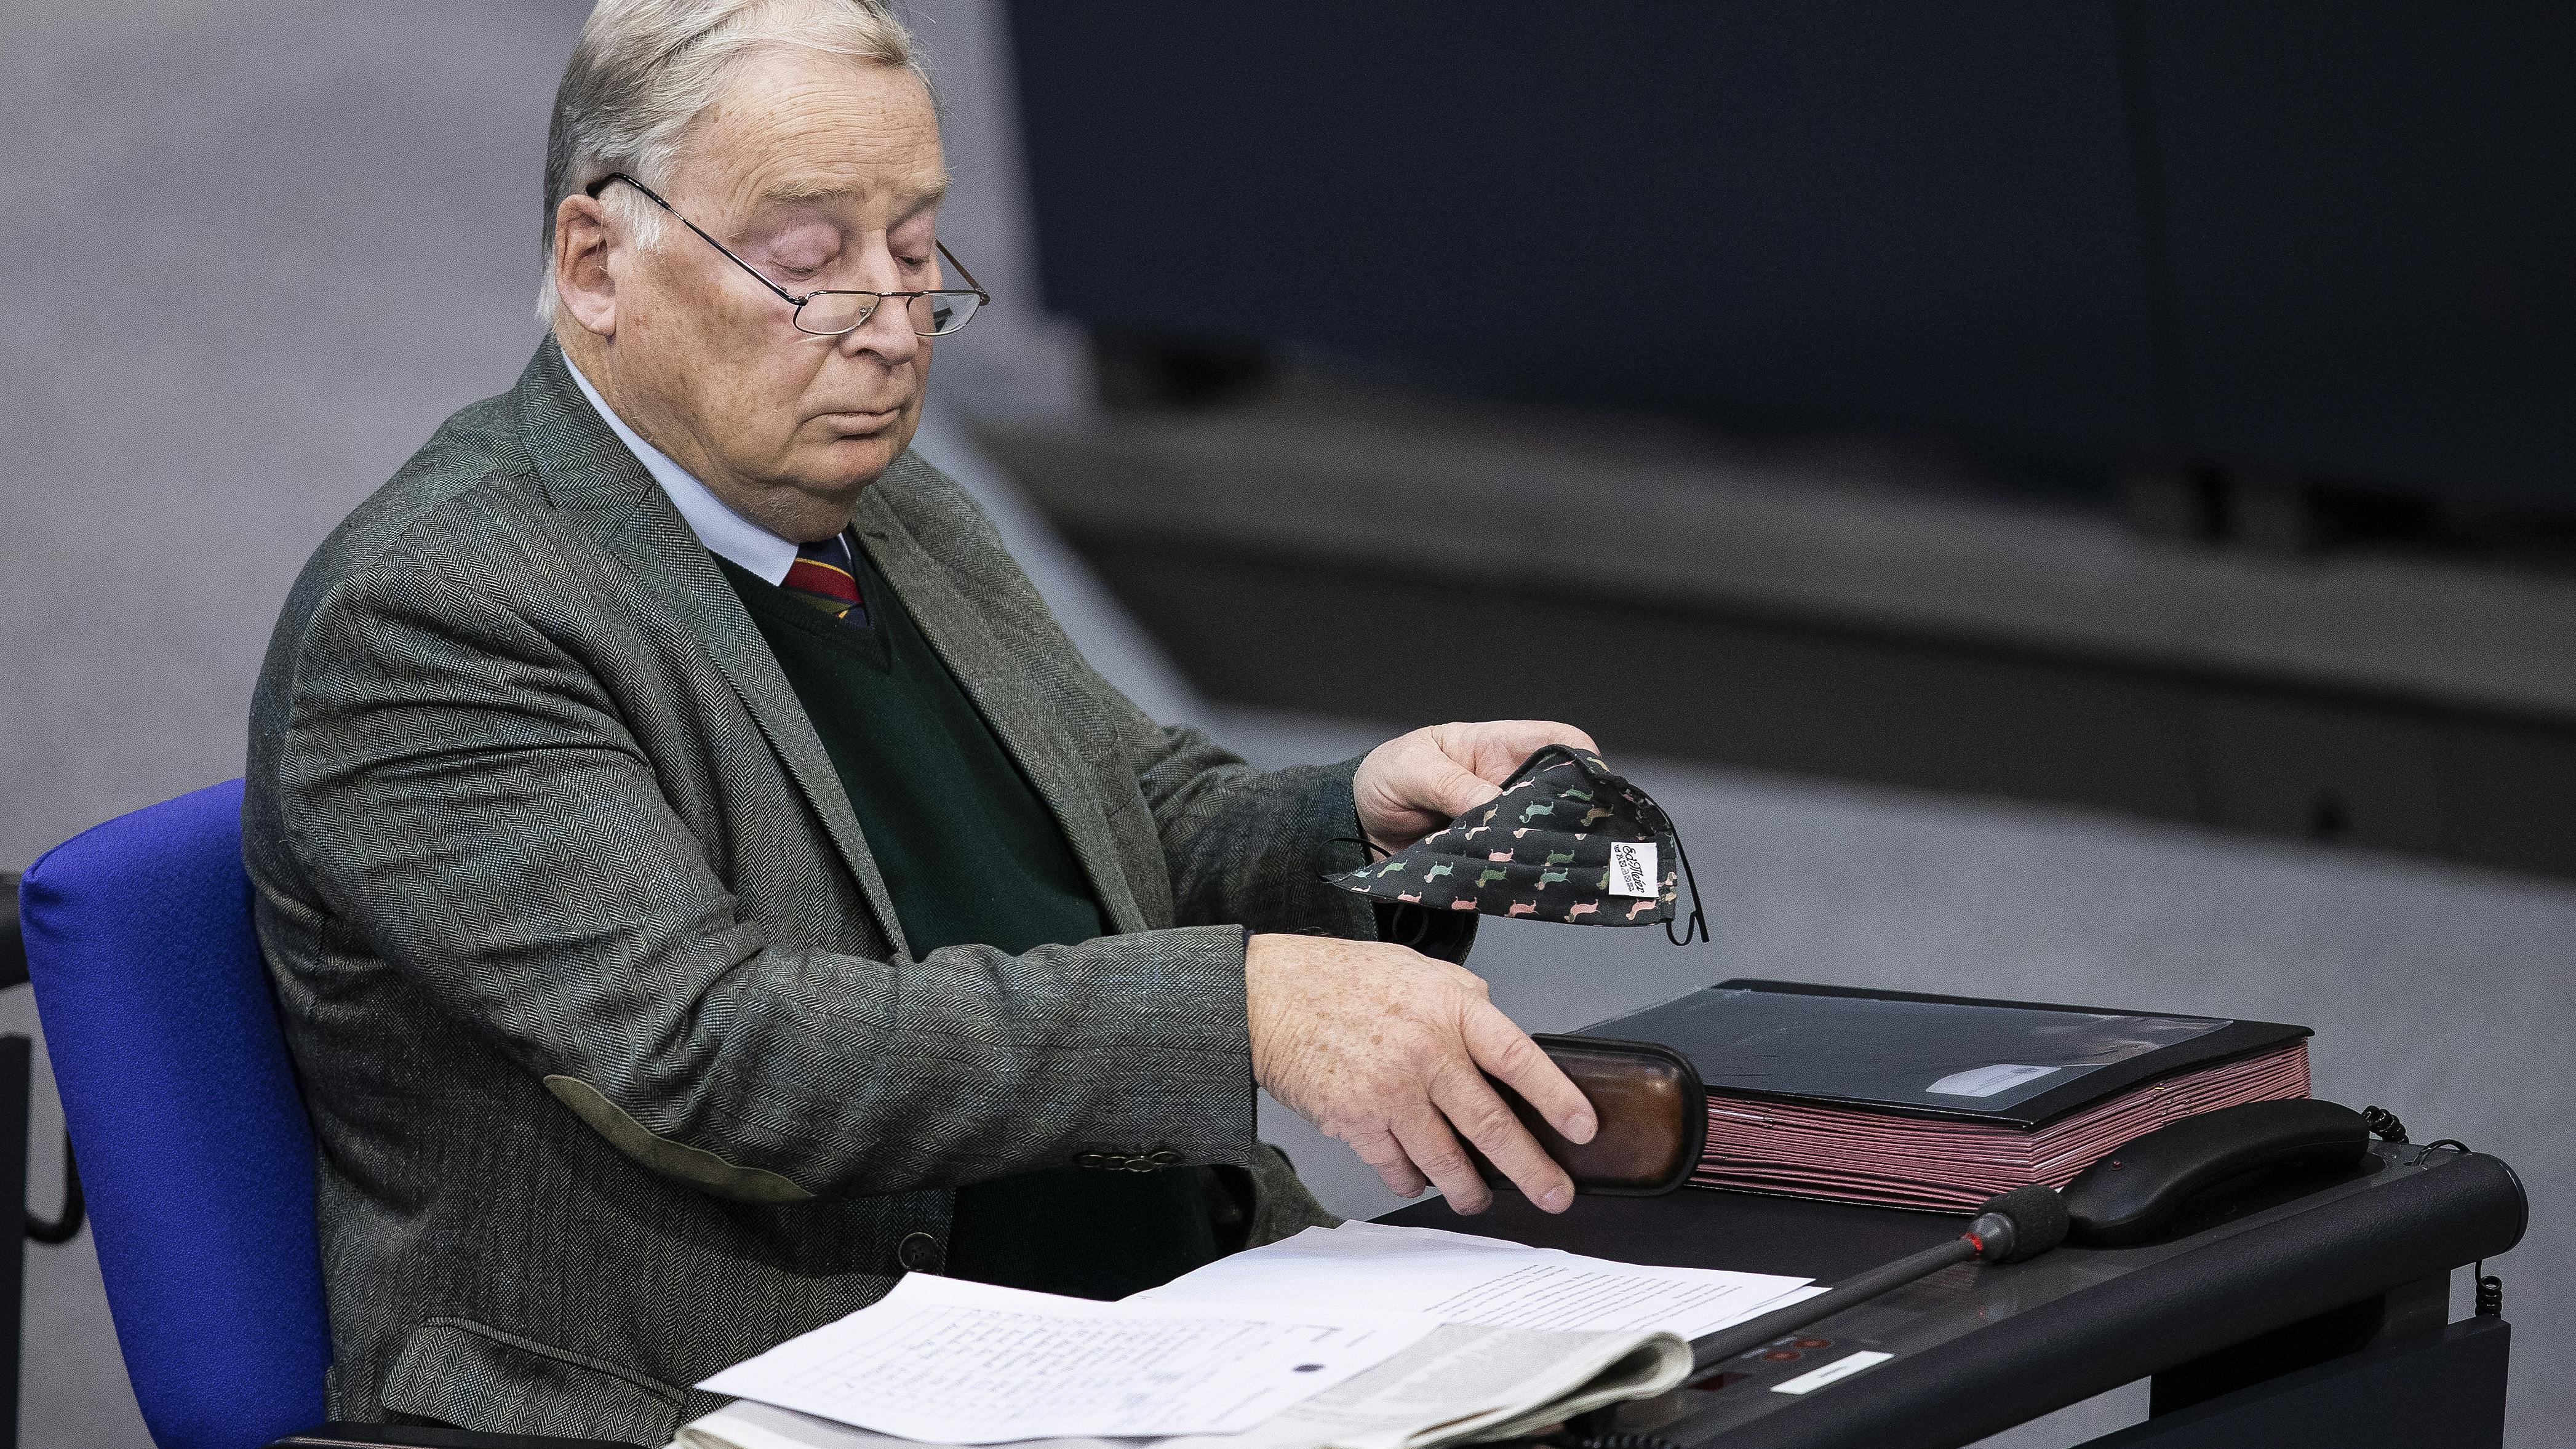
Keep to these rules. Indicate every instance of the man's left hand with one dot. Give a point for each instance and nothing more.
(1416, 783)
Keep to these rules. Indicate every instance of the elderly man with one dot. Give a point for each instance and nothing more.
(702, 882)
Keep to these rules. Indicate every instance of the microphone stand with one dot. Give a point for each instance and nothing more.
(2022, 1223)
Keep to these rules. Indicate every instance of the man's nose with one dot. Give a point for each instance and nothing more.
(887, 333)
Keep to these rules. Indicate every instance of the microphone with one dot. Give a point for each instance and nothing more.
(2011, 1227)
(2019, 1224)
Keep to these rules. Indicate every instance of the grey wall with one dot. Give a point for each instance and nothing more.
(251, 255)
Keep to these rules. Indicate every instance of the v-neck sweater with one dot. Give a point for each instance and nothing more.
(970, 853)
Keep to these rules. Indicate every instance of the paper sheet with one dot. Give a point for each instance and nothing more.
(953, 1362)
(947, 1362)
(1458, 1382)
(1459, 1278)
(1466, 1382)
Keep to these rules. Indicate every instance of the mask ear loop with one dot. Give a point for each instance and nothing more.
(1657, 820)
(1370, 851)
(1698, 919)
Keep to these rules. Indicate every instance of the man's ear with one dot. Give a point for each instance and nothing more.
(584, 284)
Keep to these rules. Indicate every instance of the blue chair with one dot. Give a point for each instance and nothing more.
(194, 1147)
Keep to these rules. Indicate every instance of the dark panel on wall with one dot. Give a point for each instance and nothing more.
(1863, 209)
(2372, 226)
(1808, 697)
(2331, 238)
(1773, 694)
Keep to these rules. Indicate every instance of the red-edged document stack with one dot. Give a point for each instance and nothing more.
(1897, 1099)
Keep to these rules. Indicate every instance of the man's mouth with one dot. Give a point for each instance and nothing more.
(859, 422)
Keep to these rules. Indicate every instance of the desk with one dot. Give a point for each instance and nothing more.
(2316, 1320)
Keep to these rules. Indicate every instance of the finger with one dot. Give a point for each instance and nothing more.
(1450, 788)
(1504, 743)
(1556, 732)
(1381, 1151)
(1477, 1110)
(1436, 1154)
(1503, 1049)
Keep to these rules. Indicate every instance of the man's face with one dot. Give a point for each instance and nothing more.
(822, 173)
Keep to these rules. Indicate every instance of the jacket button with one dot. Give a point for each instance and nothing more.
(919, 1252)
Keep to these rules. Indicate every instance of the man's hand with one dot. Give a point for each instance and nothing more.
(1416, 783)
(1388, 1050)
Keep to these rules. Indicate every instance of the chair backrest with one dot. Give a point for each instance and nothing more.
(193, 1143)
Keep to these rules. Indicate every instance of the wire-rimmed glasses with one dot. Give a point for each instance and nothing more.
(831, 313)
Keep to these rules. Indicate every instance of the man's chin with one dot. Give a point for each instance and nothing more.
(848, 464)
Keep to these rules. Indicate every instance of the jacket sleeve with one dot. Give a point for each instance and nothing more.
(459, 790)
(1252, 846)
(1255, 845)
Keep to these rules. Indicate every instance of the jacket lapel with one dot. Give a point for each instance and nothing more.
(587, 470)
(993, 680)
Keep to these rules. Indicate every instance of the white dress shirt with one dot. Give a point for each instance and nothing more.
(727, 534)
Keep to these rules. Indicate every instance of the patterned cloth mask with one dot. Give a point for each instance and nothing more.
(1566, 841)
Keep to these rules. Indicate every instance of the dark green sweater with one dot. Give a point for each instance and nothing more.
(970, 854)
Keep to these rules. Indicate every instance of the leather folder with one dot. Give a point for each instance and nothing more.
(1651, 1107)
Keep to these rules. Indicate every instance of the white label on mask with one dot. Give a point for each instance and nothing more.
(1632, 869)
(1985, 1081)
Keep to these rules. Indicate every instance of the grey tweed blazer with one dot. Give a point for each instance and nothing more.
(618, 1066)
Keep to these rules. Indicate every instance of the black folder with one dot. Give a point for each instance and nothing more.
(2013, 1064)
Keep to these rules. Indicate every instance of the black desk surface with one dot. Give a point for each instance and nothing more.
(1979, 1349)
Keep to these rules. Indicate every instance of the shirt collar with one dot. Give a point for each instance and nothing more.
(728, 534)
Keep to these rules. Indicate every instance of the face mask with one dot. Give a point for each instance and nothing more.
(1566, 841)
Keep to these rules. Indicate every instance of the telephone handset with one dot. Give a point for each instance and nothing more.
(2140, 1193)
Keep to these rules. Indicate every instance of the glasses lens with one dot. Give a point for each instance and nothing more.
(827, 314)
(936, 314)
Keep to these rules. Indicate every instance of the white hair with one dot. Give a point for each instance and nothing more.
(644, 69)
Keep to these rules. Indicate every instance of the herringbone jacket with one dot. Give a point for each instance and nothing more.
(618, 1066)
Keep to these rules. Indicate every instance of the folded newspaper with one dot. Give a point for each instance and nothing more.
(1362, 1337)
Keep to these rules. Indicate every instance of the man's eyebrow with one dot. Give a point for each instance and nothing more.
(803, 191)
(798, 191)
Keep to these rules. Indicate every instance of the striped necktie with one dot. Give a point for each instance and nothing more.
(825, 576)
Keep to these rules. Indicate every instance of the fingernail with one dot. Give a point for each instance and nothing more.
(1580, 1127)
(1555, 1199)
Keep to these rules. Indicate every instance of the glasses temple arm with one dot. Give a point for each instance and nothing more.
(961, 271)
(784, 295)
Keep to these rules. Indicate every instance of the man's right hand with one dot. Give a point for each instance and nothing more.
(1388, 1050)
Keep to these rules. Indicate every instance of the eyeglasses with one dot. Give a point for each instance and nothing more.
(830, 314)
